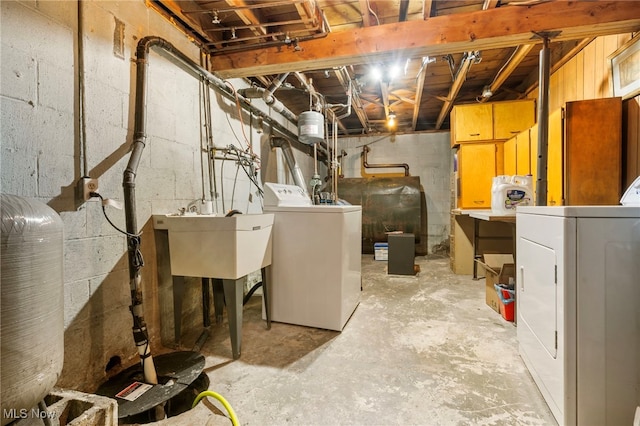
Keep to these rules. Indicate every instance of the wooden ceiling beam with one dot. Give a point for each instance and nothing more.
(453, 91)
(488, 29)
(508, 68)
(249, 17)
(422, 74)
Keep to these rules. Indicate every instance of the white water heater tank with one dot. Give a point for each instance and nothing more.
(32, 293)
(310, 127)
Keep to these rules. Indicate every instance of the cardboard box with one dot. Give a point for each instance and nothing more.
(381, 251)
(499, 269)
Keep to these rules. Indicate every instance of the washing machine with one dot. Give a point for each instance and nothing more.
(578, 305)
(315, 274)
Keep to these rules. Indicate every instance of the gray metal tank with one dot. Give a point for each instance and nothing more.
(32, 292)
(388, 204)
(310, 127)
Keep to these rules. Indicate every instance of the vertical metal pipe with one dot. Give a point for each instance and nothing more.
(543, 124)
(140, 334)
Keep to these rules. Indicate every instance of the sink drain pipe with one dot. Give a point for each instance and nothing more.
(140, 333)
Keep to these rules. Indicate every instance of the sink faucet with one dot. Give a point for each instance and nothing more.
(192, 207)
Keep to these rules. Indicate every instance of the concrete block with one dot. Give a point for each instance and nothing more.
(18, 77)
(161, 119)
(56, 83)
(91, 257)
(156, 184)
(29, 30)
(54, 173)
(109, 292)
(168, 155)
(19, 171)
(75, 223)
(36, 128)
(76, 296)
(104, 104)
(73, 408)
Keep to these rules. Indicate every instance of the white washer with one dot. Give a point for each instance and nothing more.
(578, 304)
(315, 275)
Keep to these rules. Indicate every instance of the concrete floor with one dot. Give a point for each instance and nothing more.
(418, 350)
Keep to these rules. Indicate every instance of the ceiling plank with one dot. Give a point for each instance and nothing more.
(489, 29)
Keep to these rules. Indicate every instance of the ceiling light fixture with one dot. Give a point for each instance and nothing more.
(233, 34)
(394, 71)
(486, 92)
(391, 120)
(376, 73)
(216, 19)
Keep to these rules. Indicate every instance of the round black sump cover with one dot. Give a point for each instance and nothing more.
(175, 370)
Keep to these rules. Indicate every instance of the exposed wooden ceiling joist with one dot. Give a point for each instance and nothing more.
(489, 29)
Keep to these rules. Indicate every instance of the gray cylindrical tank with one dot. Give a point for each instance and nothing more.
(310, 127)
(32, 292)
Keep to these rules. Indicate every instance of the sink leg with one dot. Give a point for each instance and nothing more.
(265, 295)
(218, 299)
(233, 293)
(206, 305)
(178, 295)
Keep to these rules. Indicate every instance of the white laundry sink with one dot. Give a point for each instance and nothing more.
(217, 246)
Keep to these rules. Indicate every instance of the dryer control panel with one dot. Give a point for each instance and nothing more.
(281, 195)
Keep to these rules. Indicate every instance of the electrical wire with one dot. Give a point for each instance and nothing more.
(104, 211)
(372, 12)
(239, 109)
(235, 180)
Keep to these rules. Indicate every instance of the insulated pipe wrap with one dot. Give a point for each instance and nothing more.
(32, 292)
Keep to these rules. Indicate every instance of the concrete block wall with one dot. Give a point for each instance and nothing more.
(47, 146)
(428, 156)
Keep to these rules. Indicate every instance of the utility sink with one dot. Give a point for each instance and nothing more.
(217, 246)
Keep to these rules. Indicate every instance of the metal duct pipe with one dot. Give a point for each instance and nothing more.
(543, 124)
(140, 334)
(269, 99)
(365, 163)
(285, 146)
(275, 85)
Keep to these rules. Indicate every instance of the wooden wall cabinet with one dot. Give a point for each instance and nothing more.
(510, 157)
(491, 120)
(512, 117)
(478, 163)
(471, 123)
(584, 157)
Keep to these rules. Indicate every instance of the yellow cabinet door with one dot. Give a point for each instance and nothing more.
(472, 122)
(533, 150)
(477, 165)
(510, 157)
(555, 175)
(523, 154)
(555, 160)
(511, 118)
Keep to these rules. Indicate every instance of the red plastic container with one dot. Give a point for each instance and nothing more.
(507, 302)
